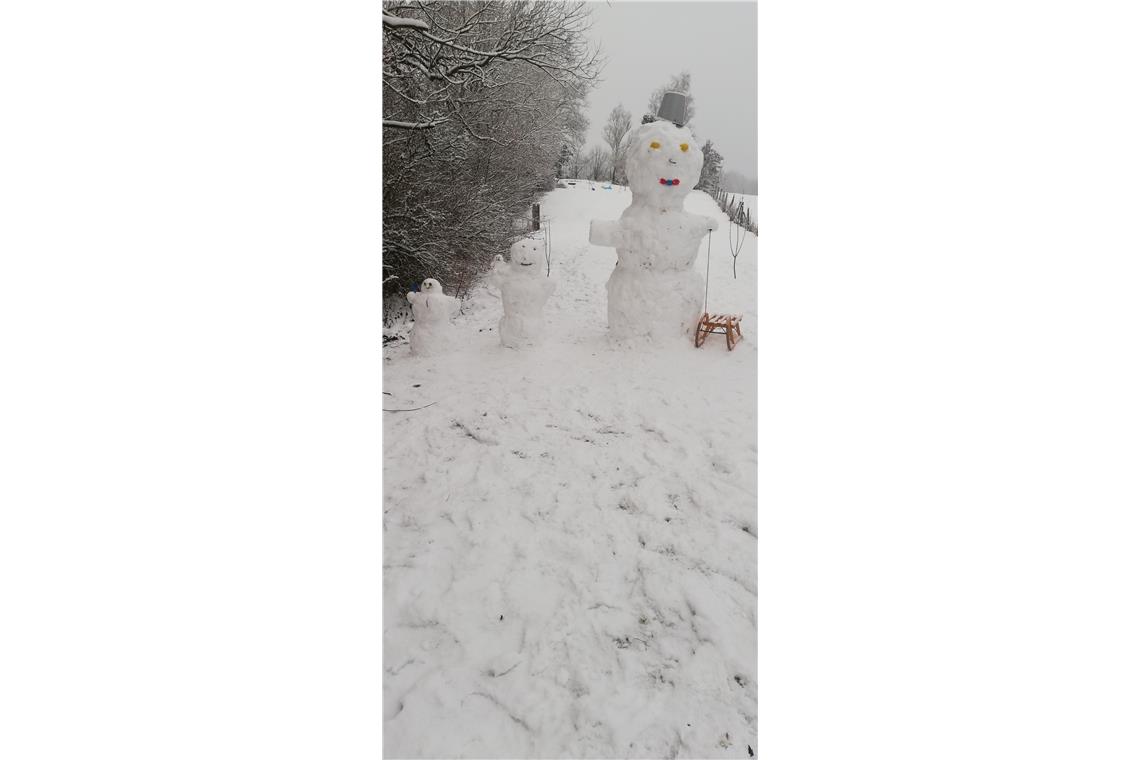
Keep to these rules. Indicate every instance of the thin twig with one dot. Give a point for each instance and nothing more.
(425, 406)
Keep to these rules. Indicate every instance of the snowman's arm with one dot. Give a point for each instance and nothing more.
(411, 298)
(604, 232)
(454, 305)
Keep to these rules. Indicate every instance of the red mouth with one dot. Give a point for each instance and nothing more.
(670, 182)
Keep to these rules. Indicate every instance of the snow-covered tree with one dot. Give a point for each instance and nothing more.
(738, 183)
(616, 128)
(597, 163)
(563, 161)
(710, 171)
(441, 55)
(577, 163)
(478, 100)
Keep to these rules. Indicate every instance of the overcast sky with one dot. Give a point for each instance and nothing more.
(646, 43)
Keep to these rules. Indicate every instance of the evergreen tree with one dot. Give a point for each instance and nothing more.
(565, 157)
(710, 172)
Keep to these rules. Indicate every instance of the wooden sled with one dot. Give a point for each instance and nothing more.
(727, 325)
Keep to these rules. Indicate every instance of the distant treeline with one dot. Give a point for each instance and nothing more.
(735, 182)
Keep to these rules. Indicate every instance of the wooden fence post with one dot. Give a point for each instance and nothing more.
(534, 218)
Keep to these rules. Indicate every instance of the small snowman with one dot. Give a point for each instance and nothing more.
(524, 290)
(431, 310)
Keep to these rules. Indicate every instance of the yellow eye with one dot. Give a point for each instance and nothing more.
(684, 147)
(655, 145)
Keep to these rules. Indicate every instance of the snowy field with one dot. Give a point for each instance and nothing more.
(570, 531)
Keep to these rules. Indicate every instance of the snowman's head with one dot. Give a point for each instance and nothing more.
(528, 255)
(663, 163)
(431, 286)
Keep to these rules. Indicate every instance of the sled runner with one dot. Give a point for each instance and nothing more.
(727, 325)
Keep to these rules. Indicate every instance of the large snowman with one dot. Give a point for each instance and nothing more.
(525, 291)
(654, 294)
(431, 310)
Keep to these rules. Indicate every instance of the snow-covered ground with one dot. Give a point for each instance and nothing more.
(570, 531)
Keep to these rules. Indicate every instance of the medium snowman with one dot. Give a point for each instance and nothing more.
(525, 290)
(431, 310)
(654, 294)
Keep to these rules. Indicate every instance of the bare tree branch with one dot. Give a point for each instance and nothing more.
(395, 22)
(413, 125)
